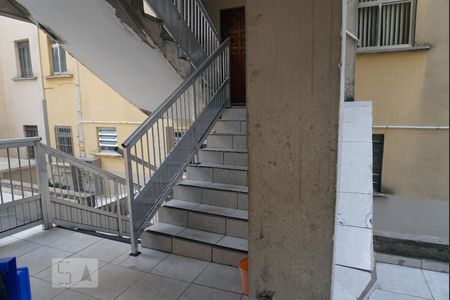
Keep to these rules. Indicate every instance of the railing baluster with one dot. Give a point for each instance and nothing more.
(10, 174)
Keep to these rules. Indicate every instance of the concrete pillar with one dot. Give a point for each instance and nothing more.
(293, 88)
(351, 47)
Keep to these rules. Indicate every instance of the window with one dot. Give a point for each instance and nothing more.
(386, 23)
(107, 139)
(58, 59)
(64, 141)
(30, 131)
(23, 54)
(378, 149)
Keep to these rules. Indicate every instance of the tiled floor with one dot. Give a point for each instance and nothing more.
(160, 276)
(404, 283)
(152, 275)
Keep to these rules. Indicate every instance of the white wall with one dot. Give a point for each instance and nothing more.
(20, 100)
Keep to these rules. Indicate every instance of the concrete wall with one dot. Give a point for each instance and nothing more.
(215, 6)
(20, 100)
(293, 88)
(411, 88)
(101, 106)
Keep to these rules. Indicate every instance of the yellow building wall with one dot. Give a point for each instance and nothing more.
(101, 107)
(410, 88)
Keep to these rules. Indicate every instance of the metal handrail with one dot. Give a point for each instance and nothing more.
(213, 27)
(81, 164)
(18, 142)
(170, 137)
(153, 118)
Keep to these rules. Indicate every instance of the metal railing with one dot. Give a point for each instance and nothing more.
(20, 205)
(171, 136)
(197, 19)
(190, 26)
(57, 188)
(79, 194)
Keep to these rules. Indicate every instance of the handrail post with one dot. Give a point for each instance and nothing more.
(43, 184)
(130, 190)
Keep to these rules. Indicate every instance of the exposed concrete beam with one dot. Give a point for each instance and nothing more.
(9, 10)
(116, 41)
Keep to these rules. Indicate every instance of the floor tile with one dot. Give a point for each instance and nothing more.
(155, 287)
(46, 274)
(42, 290)
(196, 292)
(72, 295)
(402, 280)
(113, 280)
(15, 247)
(106, 250)
(385, 295)
(40, 259)
(44, 237)
(438, 283)
(181, 268)
(75, 242)
(145, 262)
(221, 277)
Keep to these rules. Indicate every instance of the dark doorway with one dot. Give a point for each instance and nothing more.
(233, 26)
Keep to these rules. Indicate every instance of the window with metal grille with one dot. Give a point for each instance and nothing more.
(58, 59)
(378, 149)
(107, 139)
(386, 23)
(24, 59)
(30, 131)
(64, 140)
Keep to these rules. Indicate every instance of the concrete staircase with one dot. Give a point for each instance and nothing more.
(207, 217)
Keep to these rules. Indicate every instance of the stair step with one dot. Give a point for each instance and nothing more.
(236, 157)
(229, 141)
(218, 173)
(194, 243)
(224, 195)
(208, 209)
(235, 114)
(230, 127)
(209, 218)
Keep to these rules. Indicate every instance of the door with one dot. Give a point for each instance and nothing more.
(233, 26)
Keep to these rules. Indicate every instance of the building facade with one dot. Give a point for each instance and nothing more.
(21, 94)
(86, 118)
(402, 66)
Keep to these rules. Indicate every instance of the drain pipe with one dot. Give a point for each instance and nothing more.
(80, 128)
(419, 127)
